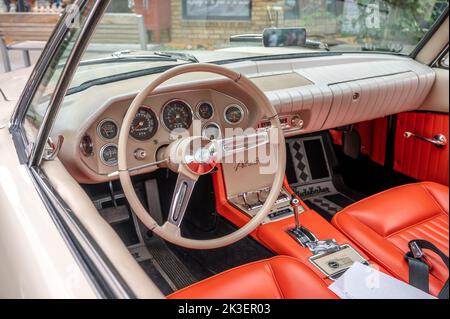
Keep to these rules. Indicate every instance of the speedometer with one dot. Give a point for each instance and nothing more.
(177, 114)
(144, 125)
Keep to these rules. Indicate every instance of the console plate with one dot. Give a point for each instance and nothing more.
(336, 263)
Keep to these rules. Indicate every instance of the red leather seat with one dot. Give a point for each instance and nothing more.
(280, 277)
(383, 224)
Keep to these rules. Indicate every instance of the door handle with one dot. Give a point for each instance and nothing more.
(438, 140)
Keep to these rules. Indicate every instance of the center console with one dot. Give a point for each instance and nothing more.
(246, 190)
(291, 228)
(250, 202)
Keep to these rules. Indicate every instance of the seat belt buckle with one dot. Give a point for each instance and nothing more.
(418, 253)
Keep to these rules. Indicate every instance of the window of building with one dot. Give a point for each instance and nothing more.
(217, 9)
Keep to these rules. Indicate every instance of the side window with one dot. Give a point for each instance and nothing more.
(42, 97)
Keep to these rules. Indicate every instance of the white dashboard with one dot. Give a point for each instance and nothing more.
(310, 94)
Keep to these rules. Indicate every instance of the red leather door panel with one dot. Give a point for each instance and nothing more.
(419, 159)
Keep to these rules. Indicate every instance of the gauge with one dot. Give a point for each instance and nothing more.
(144, 124)
(205, 110)
(234, 114)
(107, 129)
(211, 131)
(86, 146)
(177, 114)
(108, 154)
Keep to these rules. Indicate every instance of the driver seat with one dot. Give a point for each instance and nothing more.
(280, 277)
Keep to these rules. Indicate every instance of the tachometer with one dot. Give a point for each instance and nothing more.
(144, 125)
(177, 114)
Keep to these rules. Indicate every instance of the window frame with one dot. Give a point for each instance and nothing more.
(30, 152)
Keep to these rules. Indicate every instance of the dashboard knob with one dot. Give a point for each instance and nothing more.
(140, 154)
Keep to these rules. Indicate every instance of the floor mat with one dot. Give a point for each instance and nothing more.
(316, 179)
(168, 265)
(206, 263)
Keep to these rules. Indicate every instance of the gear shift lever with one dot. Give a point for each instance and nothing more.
(299, 232)
(295, 203)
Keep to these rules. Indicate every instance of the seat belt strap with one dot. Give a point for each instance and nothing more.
(419, 269)
(418, 274)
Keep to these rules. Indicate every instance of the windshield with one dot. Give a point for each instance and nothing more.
(220, 30)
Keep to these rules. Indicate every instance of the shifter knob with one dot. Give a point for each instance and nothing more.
(295, 203)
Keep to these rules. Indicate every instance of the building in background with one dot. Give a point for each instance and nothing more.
(196, 22)
(157, 18)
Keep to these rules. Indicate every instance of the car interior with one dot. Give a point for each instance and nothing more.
(361, 170)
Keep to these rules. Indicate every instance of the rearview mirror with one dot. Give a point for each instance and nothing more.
(284, 37)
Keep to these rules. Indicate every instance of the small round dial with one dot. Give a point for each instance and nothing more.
(177, 115)
(205, 111)
(107, 129)
(234, 114)
(109, 155)
(144, 125)
(211, 131)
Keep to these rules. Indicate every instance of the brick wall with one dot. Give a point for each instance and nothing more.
(216, 33)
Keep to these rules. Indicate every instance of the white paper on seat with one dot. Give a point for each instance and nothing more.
(364, 282)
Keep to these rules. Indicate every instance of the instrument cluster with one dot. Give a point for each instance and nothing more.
(175, 114)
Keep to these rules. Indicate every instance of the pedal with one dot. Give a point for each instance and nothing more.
(115, 215)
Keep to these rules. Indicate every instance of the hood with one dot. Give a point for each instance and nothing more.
(102, 70)
(13, 83)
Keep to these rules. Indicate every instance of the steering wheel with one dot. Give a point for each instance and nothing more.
(194, 156)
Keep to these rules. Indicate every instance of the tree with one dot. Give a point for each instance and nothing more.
(400, 22)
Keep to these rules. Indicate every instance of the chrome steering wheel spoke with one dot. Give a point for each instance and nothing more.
(180, 199)
(242, 143)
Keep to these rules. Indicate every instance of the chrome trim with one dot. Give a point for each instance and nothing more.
(99, 270)
(91, 144)
(439, 140)
(437, 61)
(103, 122)
(35, 78)
(101, 154)
(230, 106)
(213, 124)
(197, 113)
(133, 169)
(94, 15)
(52, 152)
(180, 199)
(164, 107)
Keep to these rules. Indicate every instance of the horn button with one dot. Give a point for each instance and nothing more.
(200, 156)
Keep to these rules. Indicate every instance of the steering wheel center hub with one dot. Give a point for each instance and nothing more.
(200, 156)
